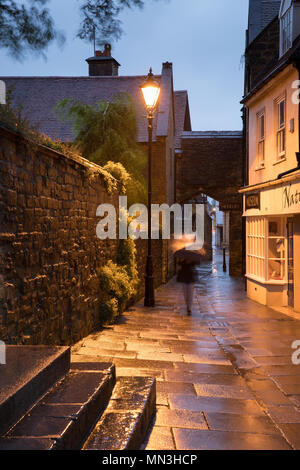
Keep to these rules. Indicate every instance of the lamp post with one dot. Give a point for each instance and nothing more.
(150, 90)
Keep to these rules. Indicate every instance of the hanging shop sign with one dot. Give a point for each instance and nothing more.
(230, 206)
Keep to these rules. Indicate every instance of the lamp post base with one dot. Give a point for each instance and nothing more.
(149, 300)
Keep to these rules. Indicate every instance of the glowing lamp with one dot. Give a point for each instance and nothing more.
(151, 91)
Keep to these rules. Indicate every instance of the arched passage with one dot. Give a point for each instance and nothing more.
(212, 163)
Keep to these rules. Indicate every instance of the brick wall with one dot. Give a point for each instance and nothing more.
(214, 166)
(49, 252)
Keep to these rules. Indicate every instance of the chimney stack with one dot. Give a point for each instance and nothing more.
(103, 64)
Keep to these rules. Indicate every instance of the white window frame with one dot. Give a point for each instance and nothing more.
(286, 30)
(280, 127)
(260, 138)
(257, 250)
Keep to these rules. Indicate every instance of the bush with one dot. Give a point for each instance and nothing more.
(118, 282)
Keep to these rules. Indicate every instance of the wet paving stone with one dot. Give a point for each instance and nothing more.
(143, 363)
(198, 378)
(287, 379)
(224, 391)
(240, 423)
(161, 438)
(155, 356)
(176, 387)
(230, 351)
(215, 404)
(205, 368)
(275, 371)
(273, 397)
(273, 360)
(205, 359)
(292, 432)
(181, 419)
(284, 414)
(190, 439)
(291, 389)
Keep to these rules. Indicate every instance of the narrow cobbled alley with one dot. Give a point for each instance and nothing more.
(224, 376)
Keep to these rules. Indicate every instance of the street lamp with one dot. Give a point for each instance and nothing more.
(150, 90)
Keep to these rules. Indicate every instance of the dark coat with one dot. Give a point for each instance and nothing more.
(186, 273)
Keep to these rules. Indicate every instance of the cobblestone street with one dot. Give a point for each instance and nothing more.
(225, 378)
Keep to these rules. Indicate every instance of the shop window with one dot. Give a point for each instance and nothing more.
(266, 249)
(276, 249)
(256, 247)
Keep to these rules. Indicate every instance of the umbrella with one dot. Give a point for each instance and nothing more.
(190, 256)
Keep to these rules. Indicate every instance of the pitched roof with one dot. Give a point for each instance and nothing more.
(182, 115)
(261, 13)
(40, 95)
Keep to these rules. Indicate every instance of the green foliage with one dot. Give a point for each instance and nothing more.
(105, 133)
(26, 27)
(102, 18)
(109, 311)
(118, 171)
(118, 281)
(127, 257)
(29, 26)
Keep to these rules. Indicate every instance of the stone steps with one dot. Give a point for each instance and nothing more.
(86, 408)
(28, 373)
(126, 420)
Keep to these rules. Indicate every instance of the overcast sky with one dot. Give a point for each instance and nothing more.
(204, 39)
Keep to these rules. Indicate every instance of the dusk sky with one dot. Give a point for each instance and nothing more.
(205, 40)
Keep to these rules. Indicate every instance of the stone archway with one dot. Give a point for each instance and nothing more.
(212, 163)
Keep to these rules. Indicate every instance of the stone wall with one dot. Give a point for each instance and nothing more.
(49, 252)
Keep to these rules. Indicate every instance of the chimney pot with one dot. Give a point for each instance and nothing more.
(103, 64)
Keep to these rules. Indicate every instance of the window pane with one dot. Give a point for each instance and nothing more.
(262, 126)
(281, 113)
(276, 270)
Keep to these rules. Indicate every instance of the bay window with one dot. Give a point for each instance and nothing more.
(266, 249)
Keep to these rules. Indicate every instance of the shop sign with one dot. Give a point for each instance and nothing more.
(290, 197)
(283, 199)
(230, 206)
(252, 201)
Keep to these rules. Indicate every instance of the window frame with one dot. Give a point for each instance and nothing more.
(258, 242)
(260, 139)
(280, 127)
(286, 30)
